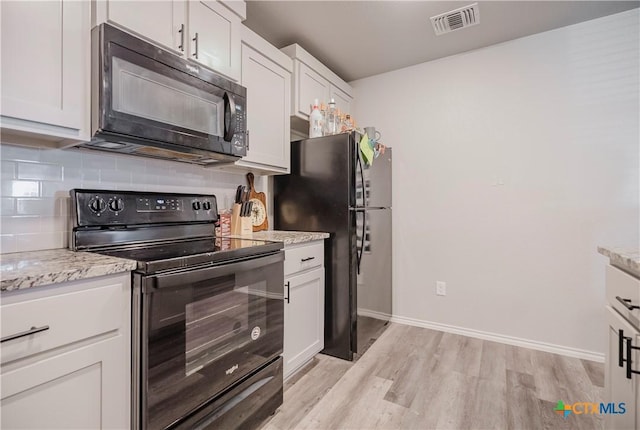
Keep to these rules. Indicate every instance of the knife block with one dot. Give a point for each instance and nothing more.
(240, 225)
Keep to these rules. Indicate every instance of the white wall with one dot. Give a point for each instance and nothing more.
(34, 197)
(554, 117)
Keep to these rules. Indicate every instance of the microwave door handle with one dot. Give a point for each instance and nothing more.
(230, 127)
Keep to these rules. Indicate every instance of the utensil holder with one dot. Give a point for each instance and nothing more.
(240, 225)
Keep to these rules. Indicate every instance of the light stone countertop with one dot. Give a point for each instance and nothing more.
(625, 258)
(23, 270)
(286, 237)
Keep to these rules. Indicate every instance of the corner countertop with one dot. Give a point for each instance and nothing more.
(22, 270)
(287, 237)
(625, 258)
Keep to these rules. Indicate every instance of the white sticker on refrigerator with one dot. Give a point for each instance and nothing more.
(255, 333)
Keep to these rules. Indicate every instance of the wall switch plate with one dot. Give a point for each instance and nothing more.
(441, 288)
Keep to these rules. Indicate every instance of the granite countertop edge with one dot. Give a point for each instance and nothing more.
(286, 237)
(24, 270)
(624, 258)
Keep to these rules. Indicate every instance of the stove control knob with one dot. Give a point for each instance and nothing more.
(116, 204)
(196, 205)
(206, 206)
(97, 205)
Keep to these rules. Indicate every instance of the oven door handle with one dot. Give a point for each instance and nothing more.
(198, 275)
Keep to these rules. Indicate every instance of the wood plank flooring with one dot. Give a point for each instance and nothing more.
(415, 378)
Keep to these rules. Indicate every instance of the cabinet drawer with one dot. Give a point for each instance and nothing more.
(70, 316)
(303, 257)
(627, 288)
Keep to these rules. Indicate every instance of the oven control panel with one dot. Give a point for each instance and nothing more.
(108, 208)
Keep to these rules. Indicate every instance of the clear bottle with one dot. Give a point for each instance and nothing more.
(331, 123)
(315, 121)
(323, 113)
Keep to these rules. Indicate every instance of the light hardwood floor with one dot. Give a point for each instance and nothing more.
(415, 378)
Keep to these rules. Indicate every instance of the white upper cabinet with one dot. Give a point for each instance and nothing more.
(204, 31)
(168, 19)
(214, 33)
(313, 80)
(266, 73)
(45, 71)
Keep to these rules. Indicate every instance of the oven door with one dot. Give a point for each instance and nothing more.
(204, 329)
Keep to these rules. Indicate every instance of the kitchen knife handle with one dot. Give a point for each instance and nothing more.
(195, 39)
(32, 330)
(181, 31)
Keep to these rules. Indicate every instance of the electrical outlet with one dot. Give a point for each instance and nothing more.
(441, 288)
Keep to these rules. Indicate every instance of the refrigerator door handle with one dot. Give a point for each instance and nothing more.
(364, 196)
(361, 250)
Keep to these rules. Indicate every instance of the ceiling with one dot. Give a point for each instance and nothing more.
(357, 39)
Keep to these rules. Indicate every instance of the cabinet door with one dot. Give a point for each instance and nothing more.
(310, 86)
(343, 100)
(619, 388)
(303, 319)
(159, 21)
(214, 33)
(45, 66)
(84, 388)
(268, 106)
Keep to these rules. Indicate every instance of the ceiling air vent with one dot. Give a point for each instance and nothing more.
(456, 19)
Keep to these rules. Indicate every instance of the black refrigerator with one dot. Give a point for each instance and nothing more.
(330, 189)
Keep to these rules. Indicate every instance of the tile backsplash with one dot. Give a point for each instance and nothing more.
(34, 195)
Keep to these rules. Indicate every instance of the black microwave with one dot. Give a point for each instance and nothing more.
(151, 102)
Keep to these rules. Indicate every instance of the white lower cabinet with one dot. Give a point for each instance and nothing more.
(621, 388)
(76, 371)
(304, 305)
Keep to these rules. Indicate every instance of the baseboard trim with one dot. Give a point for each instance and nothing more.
(509, 340)
(374, 314)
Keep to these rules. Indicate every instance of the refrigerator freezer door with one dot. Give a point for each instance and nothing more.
(377, 182)
(374, 280)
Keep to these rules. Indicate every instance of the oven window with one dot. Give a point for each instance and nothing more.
(218, 325)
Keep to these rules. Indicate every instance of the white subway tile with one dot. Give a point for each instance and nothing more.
(42, 207)
(51, 224)
(20, 189)
(96, 161)
(19, 153)
(19, 224)
(7, 206)
(35, 242)
(7, 243)
(8, 170)
(40, 171)
(111, 178)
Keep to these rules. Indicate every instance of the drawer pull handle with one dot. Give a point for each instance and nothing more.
(307, 259)
(32, 330)
(627, 303)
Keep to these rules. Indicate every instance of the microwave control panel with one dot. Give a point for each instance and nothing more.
(240, 140)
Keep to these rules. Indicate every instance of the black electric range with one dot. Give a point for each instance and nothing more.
(207, 312)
